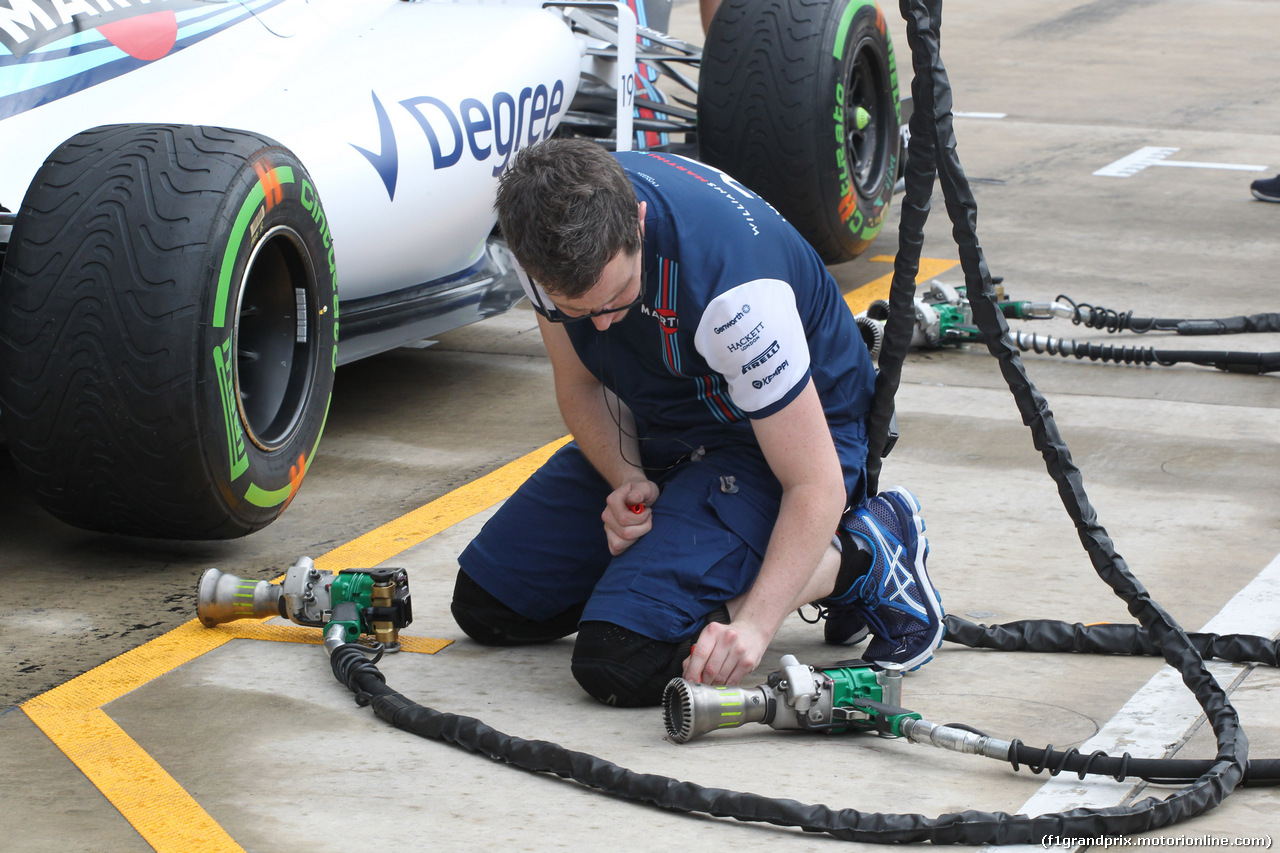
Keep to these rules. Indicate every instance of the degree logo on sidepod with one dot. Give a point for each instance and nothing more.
(488, 129)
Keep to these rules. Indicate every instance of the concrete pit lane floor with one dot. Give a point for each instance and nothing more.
(157, 734)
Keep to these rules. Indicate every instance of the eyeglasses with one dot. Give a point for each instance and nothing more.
(556, 315)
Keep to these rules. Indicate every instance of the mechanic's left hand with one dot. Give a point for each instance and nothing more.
(726, 654)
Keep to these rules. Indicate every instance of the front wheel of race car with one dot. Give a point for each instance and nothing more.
(798, 100)
(168, 323)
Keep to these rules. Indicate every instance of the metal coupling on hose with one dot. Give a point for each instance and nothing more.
(335, 637)
(955, 740)
(1036, 310)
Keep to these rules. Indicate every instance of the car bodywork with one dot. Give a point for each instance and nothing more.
(395, 108)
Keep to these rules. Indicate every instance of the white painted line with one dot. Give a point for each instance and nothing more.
(1187, 164)
(960, 114)
(1159, 715)
(1132, 164)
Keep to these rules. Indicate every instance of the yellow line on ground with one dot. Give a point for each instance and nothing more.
(158, 807)
(131, 670)
(859, 298)
(383, 543)
(162, 812)
(254, 629)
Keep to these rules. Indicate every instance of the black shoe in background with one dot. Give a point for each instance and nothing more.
(1268, 190)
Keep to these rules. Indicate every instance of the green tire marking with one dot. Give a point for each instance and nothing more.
(283, 175)
(267, 499)
(837, 50)
(226, 394)
(866, 230)
(236, 450)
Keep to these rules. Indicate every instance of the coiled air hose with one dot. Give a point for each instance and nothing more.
(1098, 317)
(932, 152)
(1228, 360)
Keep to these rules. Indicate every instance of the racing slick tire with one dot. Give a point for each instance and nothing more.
(798, 100)
(168, 327)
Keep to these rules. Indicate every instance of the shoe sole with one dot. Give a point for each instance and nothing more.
(1264, 197)
(909, 515)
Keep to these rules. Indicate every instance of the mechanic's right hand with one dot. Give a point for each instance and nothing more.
(623, 524)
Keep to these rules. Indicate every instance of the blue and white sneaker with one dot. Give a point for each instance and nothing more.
(895, 598)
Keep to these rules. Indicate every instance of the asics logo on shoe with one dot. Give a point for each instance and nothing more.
(897, 576)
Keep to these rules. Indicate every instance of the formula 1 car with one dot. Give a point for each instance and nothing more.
(202, 193)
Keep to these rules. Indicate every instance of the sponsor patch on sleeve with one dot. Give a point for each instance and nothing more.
(753, 336)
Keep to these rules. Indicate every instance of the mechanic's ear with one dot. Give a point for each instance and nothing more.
(643, 206)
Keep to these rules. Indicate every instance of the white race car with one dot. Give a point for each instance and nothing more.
(202, 193)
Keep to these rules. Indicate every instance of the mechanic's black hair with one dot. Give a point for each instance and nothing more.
(566, 208)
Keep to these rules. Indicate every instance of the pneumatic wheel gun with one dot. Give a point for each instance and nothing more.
(358, 601)
(838, 698)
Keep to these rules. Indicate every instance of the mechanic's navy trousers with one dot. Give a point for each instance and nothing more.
(545, 549)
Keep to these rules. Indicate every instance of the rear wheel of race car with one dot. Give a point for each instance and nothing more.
(798, 100)
(168, 323)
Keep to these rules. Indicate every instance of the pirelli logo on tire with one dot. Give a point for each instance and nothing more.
(275, 312)
(239, 459)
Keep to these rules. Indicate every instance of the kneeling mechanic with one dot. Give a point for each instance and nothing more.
(717, 390)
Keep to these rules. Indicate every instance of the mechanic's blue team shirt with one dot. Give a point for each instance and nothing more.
(738, 313)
